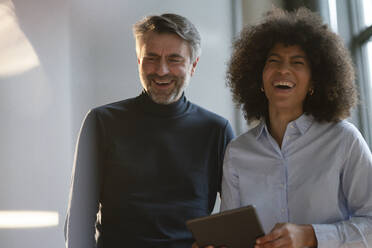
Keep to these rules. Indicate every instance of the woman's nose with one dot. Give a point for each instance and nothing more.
(283, 67)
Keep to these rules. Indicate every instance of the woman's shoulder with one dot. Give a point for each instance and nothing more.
(348, 129)
(248, 136)
(343, 130)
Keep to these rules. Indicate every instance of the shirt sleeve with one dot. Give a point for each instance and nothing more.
(356, 179)
(85, 187)
(230, 184)
(227, 136)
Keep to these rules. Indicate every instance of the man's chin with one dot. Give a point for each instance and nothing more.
(163, 99)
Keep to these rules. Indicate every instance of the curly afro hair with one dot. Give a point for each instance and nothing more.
(332, 71)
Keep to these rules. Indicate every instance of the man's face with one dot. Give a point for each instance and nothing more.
(164, 65)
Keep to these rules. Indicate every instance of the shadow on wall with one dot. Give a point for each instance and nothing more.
(17, 54)
(21, 101)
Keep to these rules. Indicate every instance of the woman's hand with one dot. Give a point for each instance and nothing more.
(288, 235)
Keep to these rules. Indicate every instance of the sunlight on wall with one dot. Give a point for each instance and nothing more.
(367, 7)
(333, 15)
(28, 219)
(25, 91)
(17, 54)
(369, 52)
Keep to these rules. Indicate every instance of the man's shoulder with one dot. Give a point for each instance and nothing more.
(207, 115)
(211, 121)
(121, 106)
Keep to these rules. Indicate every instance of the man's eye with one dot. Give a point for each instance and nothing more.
(175, 60)
(150, 58)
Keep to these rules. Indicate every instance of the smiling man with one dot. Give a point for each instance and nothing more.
(165, 65)
(145, 165)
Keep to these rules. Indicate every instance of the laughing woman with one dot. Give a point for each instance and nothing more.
(306, 169)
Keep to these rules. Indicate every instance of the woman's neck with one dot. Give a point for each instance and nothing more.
(278, 121)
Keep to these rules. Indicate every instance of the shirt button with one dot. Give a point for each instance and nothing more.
(281, 185)
(291, 126)
(283, 210)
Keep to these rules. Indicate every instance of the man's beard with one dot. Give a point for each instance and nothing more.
(165, 96)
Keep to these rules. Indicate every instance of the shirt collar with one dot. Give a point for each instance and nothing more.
(163, 110)
(261, 128)
(302, 123)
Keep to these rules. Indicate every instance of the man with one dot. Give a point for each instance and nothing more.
(145, 165)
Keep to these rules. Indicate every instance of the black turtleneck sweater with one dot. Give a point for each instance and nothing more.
(141, 170)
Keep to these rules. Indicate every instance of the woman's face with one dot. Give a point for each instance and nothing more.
(286, 78)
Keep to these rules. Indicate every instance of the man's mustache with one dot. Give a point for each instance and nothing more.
(161, 78)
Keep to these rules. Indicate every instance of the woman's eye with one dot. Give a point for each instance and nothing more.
(272, 60)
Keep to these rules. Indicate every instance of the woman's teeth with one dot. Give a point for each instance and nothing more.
(284, 85)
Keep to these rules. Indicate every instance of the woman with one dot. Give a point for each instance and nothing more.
(306, 169)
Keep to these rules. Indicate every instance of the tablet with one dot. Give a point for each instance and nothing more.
(237, 228)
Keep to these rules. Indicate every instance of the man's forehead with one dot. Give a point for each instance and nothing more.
(155, 37)
(153, 42)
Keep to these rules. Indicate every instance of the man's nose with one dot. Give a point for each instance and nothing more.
(162, 68)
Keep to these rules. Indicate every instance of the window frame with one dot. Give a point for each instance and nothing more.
(351, 28)
(361, 35)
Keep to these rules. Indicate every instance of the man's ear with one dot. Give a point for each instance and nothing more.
(194, 65)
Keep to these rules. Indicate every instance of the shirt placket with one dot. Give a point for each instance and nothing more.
(290, 135)
(281, 182)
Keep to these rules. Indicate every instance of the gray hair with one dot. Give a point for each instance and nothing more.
(173, 24)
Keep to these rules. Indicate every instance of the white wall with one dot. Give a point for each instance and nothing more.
(254, 10)
(35, 133)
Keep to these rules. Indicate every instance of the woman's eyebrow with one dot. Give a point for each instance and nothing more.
(273, 54)
(299, 57)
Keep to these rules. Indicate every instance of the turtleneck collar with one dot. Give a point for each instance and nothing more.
(163, 110)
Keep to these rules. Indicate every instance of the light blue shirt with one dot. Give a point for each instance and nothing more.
(322, 175)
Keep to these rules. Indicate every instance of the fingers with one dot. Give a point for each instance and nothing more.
(275, 234)
(278, 243)
(194, 245)
(288, 235)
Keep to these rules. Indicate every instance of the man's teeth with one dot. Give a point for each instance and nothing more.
(159, 82)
